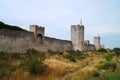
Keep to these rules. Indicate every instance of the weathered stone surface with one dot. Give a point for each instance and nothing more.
(21, 41)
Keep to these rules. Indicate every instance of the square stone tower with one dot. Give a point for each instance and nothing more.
(38, 31)
(97, 42)
(77, 37)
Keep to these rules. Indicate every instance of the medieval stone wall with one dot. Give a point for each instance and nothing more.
(89, 47)
(58, 45)
(21, 41)
(15, 41)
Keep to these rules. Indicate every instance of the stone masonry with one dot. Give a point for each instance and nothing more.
(21, 41)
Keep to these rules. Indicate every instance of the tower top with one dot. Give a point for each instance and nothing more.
(80, 21)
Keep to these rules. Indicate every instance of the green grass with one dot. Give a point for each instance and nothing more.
(110, 76)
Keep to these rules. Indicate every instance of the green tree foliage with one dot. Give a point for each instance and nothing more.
(33, 62)
(117, 51)
(6, 26)
(102, 50)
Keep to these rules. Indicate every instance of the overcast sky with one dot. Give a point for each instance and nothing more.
(100, 17)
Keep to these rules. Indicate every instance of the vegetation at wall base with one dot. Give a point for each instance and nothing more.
(50, 65)
(117, 51)
(102, 50)
(107, 66)
(33, 62)
(74, 55)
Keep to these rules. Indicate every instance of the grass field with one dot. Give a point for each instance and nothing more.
(61, 66)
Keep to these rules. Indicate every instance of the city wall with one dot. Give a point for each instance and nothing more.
(21, 41)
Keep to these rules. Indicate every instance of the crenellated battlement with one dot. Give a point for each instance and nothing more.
(38, 31)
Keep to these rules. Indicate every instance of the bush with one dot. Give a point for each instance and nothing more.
(117, 51)
(51, 52)
(102, 50)
(6, 72)
(15, 56)
(34, 54)
(32, 51)
(73, 55)
(96, 74)
(5, 56)
(108, 56)
(36, 67)
(70, 57)
(6, 68)
(33, 62)
(107, 65)
(110, 76)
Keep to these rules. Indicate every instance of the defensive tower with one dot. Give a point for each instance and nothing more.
(97, 42)
(38, 32)
(77, 36)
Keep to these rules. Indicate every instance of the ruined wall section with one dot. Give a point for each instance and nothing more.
(88, 46)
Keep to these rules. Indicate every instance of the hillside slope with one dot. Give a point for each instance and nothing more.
(10, 27)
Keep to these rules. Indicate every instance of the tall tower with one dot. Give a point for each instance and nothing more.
(97, 42)
(77, 36)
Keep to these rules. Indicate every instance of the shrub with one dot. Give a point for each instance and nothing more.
(108, 56)
(73, 55)
(110, 76)
(106, 66)
(6, 68)
(34, 54)
(117, 51)
(51, 52)
(33, 62)
(102, 50)
(15, 56)
(96, 74)
(32, 51)
(36, 67)
(70, 57)
(5, 56)
(6, 72)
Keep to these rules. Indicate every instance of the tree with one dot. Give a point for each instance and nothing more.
(102, 50)
(117, 51)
